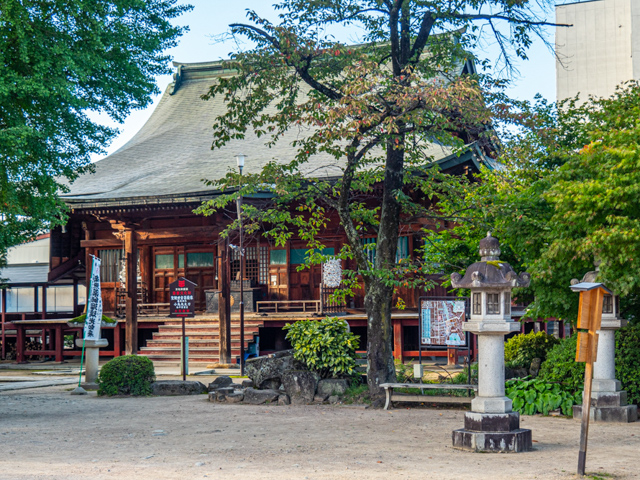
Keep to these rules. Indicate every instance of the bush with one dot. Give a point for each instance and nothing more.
(628, 361)
(561, 366)
(536, 396)
(126, 375)
(519, 351)
(324, 346)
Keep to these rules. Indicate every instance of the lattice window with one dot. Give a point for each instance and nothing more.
(507, 303)
(607, 304)
(263, 266)
(493, 303)
(477, 304)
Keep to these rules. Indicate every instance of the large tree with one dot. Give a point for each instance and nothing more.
(374, 108)
(568, 198)
(61, 60)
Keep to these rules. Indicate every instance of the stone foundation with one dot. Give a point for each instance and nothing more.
(620, 414)
(492, 432)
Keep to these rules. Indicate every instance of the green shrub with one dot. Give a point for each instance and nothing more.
(519, 351)
(561, 366)
(324, 346)
(535, 396)
(628, 361)
(126, 375)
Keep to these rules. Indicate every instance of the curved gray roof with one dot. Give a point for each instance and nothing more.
(171, 154)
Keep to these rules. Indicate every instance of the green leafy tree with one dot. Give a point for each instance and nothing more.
(61, 60)
(567, 196)
(373, 109)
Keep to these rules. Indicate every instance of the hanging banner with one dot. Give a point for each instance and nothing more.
(94, 305)
(441, 322)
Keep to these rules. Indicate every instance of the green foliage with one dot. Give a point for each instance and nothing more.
(561, 366)
(126, 375)
(520, 350)
(536, 396)
(82, 318)
(568, 196)
(356, 393)
(628, 361)
(61, 61)
(324, 346)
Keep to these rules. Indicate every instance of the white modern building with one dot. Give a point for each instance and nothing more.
(601, 48)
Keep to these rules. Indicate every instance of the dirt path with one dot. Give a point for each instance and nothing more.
(48, 434)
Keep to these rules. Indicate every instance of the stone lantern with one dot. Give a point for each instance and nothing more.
(608, 400)
(491, 425)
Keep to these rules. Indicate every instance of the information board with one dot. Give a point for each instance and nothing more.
(182, 298)
(441, 322)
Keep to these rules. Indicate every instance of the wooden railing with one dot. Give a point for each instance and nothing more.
(289, 306)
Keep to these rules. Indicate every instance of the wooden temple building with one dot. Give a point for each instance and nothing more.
(135, 212)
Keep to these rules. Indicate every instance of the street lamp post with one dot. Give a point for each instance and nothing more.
(240, 161)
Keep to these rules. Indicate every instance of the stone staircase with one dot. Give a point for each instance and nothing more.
(204, 341)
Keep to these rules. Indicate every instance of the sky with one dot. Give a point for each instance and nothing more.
(211, 18)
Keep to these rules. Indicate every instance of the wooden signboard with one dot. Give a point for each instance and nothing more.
(589, 318)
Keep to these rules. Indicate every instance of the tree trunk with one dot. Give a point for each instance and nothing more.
(380, 367)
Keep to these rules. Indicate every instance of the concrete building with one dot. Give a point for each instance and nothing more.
(600, 50)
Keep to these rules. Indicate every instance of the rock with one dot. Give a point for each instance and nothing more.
(333, 399)
(178, 387)
(234, 397)
(301, 386)
(320, 398)
(283, 399)
(220, 382)
(236, 386)
(258, 397)
(247, 384)
(269, 367)
(515, 373)
(535, 367)
(271, 384)
(221, 393)
(332, 386)
(212, 396)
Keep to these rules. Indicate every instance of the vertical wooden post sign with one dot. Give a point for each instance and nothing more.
(589, 319)
(182, 304)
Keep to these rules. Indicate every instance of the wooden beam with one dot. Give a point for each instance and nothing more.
(3, 293)
(224, 301)
(398, 340)
(131, 299)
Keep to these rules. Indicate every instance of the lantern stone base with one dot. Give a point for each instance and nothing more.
(600, 412)
(492, 432)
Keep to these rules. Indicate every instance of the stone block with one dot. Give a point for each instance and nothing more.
(177, 387)
(333, 399)
(620, 414)
(493, 442)
(220, 382)
(605, 385)
(235, 397)
(491, 405)
(258, 397)
(221, 393)
(284, 399)
(491, 422)
(247, 384)
(332, 386)
(301, 386)
(609, 399)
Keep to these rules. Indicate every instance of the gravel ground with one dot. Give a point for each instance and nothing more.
(47, 434)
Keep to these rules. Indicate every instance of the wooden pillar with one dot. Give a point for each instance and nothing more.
(3, 293)
(398, 340)
(59, 343)
(224, 302)
(20, 344)
(131, 300)
(75, 297)
(117, 340)
(44, 302)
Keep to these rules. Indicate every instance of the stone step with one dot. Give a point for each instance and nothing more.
(170, 360)
(157, 344)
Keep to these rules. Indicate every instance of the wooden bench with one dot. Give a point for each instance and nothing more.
(408, 397)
